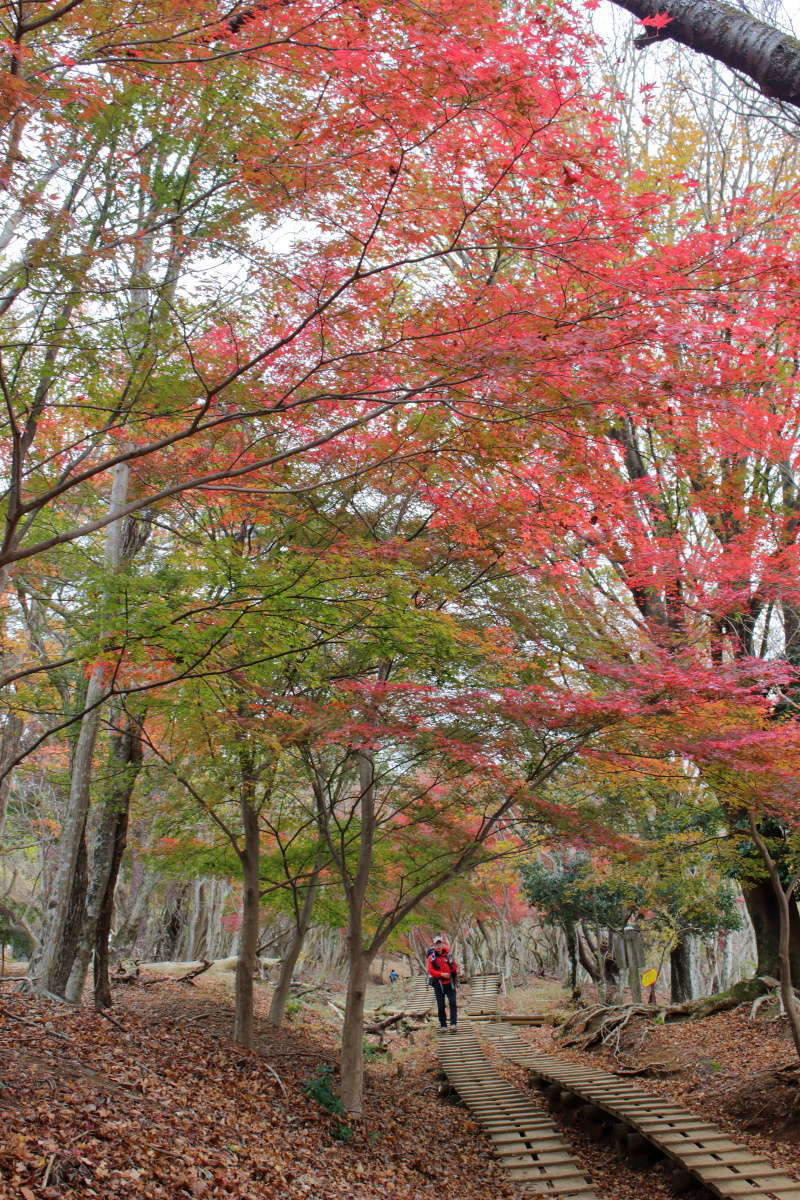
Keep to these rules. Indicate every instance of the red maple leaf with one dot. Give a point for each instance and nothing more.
(658, 21)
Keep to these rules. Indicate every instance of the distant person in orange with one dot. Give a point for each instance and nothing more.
(443, 973)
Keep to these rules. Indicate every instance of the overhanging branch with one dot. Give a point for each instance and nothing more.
(742, 42)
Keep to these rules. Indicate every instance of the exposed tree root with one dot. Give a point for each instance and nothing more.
(608, 1024)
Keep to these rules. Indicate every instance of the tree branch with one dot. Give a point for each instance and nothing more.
(733, 37)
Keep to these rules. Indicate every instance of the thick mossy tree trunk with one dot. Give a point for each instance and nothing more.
(634, 960)
(571, 938)
(764, 912)
(680, 970)
(784, 898)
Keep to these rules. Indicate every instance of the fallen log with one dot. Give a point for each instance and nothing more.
(191, 975)
(382, 1026)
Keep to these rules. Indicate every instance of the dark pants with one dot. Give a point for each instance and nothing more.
(449, 990)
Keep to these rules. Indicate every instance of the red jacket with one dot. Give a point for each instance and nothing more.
(442, 967)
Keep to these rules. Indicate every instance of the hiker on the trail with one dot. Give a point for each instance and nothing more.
(393, 976)
(443, 972)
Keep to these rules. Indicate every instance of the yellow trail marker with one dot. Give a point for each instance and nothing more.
(649, 977)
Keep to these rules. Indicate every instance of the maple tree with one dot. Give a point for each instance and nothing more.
(274, 364)
(377, 451)
(214, 271)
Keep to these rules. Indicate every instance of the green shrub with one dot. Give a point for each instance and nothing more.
(319, 1088)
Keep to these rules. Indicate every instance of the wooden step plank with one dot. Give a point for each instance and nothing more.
(734, 1157)
(570, 1175)
(556, 1158)
(761, 1175)
(744, 1187)
(555, 1171)
(539, 1143)
(511, 1121)
(685, 1147)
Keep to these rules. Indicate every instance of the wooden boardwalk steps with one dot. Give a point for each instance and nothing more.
(722, 1166)
(483, 995)
(419, 996)
(525, 1140)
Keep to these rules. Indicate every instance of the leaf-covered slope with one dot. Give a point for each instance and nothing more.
(167, 1107)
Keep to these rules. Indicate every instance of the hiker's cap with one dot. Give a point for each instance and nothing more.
(438, 938)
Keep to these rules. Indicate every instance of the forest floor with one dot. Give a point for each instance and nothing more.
(157, 1103)
(160, 1104)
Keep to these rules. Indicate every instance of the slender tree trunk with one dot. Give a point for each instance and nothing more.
(127, 934)
(10, 741)
(53, 962)
(784, 899)
(280, 996)
(102, 982)
(125, 758)
(51, 966)
(250, 858)
(359, 958)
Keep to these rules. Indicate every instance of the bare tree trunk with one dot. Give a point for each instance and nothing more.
(217, 939)
(587, 955)
(53, 962)
(489, 962)
(783, 897)
(10, 740)
(280, 996)
(125, 758)
(127, 934)
(764, 912)
(102, 982)
(49, 971)
(352, 1056)
(250, 858)
(680, 971)
(634, 958)
(352, 1059)
(170, 924)
(69, 940)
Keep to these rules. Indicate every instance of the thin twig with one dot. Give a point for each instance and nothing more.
(277, 1077)
(36, 1025)
(101, 1012)
(50, 1162)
